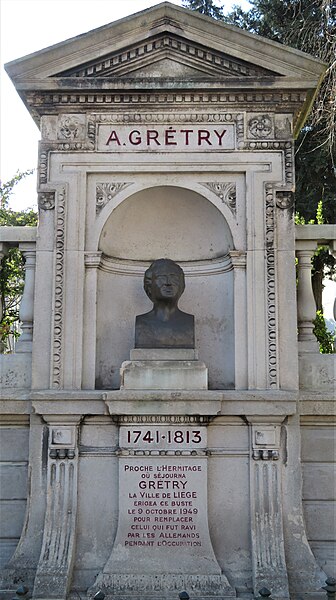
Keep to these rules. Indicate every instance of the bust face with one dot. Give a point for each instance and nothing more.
(167, 283)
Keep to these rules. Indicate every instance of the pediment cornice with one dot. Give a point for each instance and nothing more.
(160, 50)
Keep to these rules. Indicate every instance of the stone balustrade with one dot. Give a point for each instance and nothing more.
(307, 240)
(23, 238)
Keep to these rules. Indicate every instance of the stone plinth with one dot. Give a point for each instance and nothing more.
(163, 545)
(164, 369)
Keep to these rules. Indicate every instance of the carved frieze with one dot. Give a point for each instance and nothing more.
(283, 127)
(284, 199)
(105, 192)
(71, 127)
(225, 191)
(260, 127)
(46, 200)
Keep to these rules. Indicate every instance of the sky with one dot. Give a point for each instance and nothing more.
(28, 26)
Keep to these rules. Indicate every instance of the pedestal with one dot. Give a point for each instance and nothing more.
(163, 546)
(164, 369)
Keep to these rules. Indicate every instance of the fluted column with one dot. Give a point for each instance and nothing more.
(238, 259)
(25, 343)
(54, 571)
(267, 535)
(306, 307)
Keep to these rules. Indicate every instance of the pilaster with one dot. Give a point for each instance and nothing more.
(54, 570)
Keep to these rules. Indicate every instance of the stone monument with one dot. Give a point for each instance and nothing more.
(151, 472)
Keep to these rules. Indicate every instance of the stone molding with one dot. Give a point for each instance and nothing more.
(271, 279)
(215, 266)
(279, 98)
(126, 61)
(58, 316)
(161, 419)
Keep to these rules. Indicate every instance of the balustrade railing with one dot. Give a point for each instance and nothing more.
(307, 239)
(23, 238)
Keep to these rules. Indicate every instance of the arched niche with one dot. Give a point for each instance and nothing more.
(176, 223)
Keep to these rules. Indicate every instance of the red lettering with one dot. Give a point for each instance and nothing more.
(203, 134)
(113, 137)
(169, 135)
(187, 131)
(152, 134)
(137, 140)
(220, 135)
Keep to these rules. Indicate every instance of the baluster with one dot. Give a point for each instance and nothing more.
(305, 297)
(25, 342)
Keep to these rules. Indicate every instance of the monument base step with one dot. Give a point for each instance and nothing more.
(162, 587)
(164, 375)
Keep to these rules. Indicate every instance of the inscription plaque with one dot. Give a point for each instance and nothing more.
(165, 138)
(162, 544)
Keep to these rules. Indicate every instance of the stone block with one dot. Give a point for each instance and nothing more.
(7, 549)
(320, 520)
(317, 371)
(13, 481)
(325, 554)
(15, 370)
(14, 444)
(318, 481)
(12, 517)
(318, 444)
(164, 375)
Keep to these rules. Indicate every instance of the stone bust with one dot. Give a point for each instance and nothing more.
(165, 326)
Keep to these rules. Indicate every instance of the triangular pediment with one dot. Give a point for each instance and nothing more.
(165, 36)
(167, 55)
(163, 48)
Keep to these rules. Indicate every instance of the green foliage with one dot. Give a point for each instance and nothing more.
(12, 265)
(308, 25)
(325, 338)
(205, 7)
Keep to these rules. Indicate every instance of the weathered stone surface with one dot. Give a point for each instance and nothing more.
(164, 375)
(166, 134)
(15, 370)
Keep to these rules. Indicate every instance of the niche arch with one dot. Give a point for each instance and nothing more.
(132, 190)
(177, 223)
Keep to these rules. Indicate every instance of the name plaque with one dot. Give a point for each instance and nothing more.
(164, 138)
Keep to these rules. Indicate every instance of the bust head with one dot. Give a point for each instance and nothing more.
(164, 281)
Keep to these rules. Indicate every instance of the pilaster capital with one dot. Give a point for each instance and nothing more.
(92, 259)
(238, 259)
